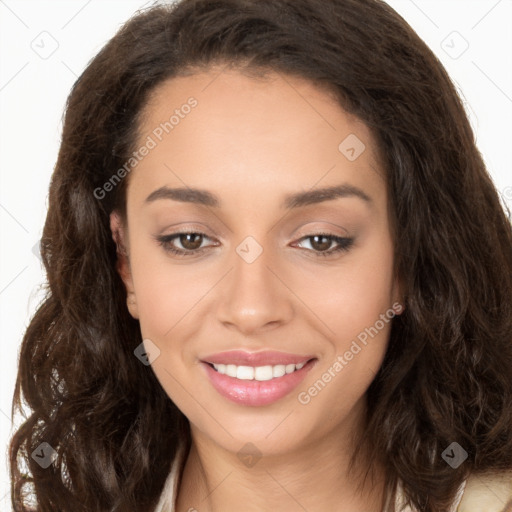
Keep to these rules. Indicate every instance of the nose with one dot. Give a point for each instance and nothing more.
(255, 297)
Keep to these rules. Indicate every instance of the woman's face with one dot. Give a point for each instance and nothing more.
(250, 158)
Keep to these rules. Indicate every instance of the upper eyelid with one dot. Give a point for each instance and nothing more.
(309, 232)
(323, 232)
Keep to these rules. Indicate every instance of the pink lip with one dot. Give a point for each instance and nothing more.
(256, 393)
(268, 357)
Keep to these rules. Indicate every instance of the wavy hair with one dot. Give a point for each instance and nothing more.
(446, 375)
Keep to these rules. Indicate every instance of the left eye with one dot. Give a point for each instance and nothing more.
(321, 243)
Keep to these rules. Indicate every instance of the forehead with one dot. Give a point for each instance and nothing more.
(259, 134)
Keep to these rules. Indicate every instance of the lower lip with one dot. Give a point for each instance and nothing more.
(253, 392)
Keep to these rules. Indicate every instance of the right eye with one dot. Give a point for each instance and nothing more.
(190, 242)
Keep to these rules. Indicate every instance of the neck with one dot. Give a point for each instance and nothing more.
(315, 478)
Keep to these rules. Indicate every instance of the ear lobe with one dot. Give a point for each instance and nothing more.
(398, 297)
(123, 262)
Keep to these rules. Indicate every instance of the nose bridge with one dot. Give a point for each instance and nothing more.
(254, 296)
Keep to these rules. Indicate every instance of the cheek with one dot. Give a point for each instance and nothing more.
(352, 297)
(356, 308)
(166, 292)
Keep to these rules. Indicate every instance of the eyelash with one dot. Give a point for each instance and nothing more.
(165, 241)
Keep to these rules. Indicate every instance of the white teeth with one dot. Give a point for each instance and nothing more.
(259, 373)
(263, 373)
(279, 370)
(245, 372)
(230, 370)
(290, 368)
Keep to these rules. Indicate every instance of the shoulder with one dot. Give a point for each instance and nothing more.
(487, 492)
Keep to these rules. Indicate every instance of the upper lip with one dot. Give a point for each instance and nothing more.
(264, 358)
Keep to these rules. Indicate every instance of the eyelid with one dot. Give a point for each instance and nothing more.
(307, 230)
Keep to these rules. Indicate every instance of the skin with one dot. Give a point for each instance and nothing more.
(251, 141)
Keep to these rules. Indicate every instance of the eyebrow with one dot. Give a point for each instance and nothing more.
(296, 200)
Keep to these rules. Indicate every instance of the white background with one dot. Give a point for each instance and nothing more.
(33, 91)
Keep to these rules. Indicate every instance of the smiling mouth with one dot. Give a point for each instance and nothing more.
(257, 385)
(258, 373)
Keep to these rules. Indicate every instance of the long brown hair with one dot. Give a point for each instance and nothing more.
(446, 376)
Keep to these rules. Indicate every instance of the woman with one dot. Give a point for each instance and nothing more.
(279, 275)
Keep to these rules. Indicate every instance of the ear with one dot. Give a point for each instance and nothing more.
(123, 262)
(398, 297)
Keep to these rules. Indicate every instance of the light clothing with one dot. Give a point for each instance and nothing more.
(491, 493)
(168, 497)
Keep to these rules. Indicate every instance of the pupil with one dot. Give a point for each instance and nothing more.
(320, 246)
(190, 245)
